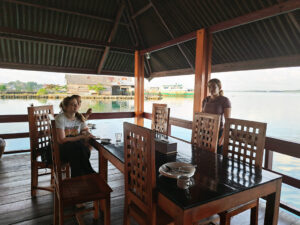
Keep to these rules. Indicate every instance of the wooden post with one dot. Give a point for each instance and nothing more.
(202, 67)
(139, 88)
(268, 159)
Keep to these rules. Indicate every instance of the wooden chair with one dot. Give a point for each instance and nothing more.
(244, 141)
(40, 136)
(205, 131)
(140, 177)
(77, 190)
(160, 118)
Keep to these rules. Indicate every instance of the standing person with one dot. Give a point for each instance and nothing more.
(88, 112)
(217, 103)
(72, 133)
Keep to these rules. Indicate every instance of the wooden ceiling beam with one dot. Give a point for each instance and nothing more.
(268, 63)
(141, 40)
(64, 11)
(292, 18)
(59, 69)
(171, 34)
(111, 38)
(265, 13)
(141, 11)
(35, 67)
(275, 10)
(62, 40)
(94, 48)
(177, 72)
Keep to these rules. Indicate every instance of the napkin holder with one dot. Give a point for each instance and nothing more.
(165, 146)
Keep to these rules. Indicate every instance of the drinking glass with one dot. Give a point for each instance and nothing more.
(118, 137)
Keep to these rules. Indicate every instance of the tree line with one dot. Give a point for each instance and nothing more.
(19, 86)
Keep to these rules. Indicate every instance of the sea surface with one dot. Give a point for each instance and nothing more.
(280, 110)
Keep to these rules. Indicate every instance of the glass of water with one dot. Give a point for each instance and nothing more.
(118, 137)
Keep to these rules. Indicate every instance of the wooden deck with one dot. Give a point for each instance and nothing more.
(17, 206)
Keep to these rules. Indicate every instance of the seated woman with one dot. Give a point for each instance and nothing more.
(72, 134)
(88, 112)
(216, 103)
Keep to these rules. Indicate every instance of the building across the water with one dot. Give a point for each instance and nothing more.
(80, 84)
(176, 90)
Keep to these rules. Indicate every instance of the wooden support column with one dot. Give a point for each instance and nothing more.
(202, 67)
(139, 87)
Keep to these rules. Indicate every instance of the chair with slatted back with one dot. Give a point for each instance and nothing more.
(205, 131)
(140, 177)
(160, 118)
(76, 190)
(40, 136)
(244, 141)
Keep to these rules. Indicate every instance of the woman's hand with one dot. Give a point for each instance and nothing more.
(88, 113)
(86, 135)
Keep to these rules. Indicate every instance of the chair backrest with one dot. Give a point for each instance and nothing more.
(39, 128)
(160, 118)
(205, 131)
(244, 140)
(140, 177)
(56, 157)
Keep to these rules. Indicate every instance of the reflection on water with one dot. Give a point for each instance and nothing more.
(279, 110)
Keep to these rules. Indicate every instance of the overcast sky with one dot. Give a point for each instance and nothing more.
(267, 79)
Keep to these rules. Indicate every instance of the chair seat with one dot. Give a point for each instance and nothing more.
(162, 218)
(84, 188)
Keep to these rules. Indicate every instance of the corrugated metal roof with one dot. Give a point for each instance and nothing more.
(59, 26)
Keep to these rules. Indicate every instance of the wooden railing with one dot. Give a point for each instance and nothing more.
(24, 118)
(272, 144)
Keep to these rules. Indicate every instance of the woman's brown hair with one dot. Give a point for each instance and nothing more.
(65, 102)
(218, 83)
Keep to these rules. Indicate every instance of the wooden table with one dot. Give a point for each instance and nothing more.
(219, 183)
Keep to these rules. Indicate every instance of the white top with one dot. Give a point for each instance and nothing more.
(71, 127)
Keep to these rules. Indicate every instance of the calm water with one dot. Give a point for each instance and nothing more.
(281, 111)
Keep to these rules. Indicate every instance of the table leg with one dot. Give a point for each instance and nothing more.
(102, 165)
(272, 205)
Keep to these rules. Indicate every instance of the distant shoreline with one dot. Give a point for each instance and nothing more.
(271, 91)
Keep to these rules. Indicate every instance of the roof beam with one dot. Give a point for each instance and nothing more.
(35, 67)
(172, 36)
(177, 72)
(265, 13)
(62, 40)
(292, 18)
(276, 62)
(142, 10)
(111, 37)
(268, 63)
(147, 65)
(94, 48)
(275, 10)
(64, 11)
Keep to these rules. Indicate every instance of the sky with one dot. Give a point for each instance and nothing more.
(266, 79)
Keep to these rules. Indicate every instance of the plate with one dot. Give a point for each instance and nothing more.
(105, 140)
(176, 169)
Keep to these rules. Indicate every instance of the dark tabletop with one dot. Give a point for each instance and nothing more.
(215, 177)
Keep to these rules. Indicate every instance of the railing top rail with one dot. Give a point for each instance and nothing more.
(109, 115)
(272, 144)
(283, 146)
